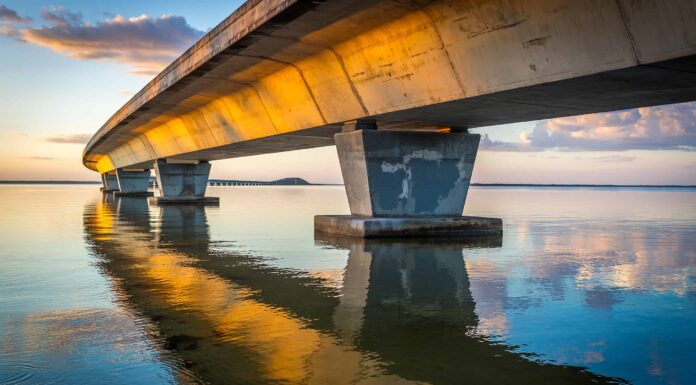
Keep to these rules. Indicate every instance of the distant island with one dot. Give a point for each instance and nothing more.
(294, 181)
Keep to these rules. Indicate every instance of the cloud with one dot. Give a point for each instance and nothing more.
(488, 144)
(670, 127)
(58, 16)
(147, 44)
(9, 19)
(38, 158)
(72, 138)
(9, 31)
(8, 15)
(614, 158)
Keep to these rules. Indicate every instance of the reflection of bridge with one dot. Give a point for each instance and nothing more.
(403, 80)
(403, 312)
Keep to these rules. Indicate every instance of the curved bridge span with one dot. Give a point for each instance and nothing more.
(279, 75)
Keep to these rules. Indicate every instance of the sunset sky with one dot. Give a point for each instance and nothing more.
(66, 67)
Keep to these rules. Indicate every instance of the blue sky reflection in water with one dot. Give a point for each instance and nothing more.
(116, 291)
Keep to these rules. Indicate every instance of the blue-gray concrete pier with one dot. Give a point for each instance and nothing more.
(402, 183)
(183, 183)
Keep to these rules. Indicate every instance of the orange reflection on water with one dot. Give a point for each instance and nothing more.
(287, 348)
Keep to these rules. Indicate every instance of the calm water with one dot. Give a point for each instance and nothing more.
(585, 286)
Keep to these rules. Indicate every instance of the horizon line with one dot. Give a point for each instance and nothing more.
(493, 184)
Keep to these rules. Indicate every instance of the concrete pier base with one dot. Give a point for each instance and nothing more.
(406, 184)
(183, 183)
(407, 227)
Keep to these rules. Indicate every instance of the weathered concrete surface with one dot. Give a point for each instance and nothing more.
(132, 182)
(398, 173)
(422, 227)
(280, 75)
(110, 182)
(183, 183)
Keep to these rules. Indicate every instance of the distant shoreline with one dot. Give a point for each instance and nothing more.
(76, 182)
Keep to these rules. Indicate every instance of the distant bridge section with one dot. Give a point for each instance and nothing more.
(278, 182)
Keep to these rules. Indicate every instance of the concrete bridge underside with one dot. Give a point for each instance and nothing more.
(285, 75)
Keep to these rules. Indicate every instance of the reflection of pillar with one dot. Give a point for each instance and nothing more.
(108, 199)
(356, 278)
(185, 226)
(421, 279)
(183, 182)
(420, 319)
(132, 182)
(134, 211)
(406, 184)
(110, 182)
(427, 279)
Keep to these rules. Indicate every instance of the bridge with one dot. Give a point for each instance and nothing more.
(395, 85)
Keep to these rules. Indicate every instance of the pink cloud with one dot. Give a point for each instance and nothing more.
(9, 18)
(670, 127)
(147, 44)
(71, 138)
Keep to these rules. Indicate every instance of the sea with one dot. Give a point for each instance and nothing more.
(586, 285)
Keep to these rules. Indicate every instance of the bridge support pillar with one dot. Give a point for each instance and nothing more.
(183, 183)
(133, 182)
(406, 184)
(109, 182)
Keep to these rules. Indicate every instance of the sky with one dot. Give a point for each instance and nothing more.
(66, 67)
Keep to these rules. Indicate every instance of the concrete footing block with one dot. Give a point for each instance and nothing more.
(134, 194)
(407, 227)
(188, 200)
